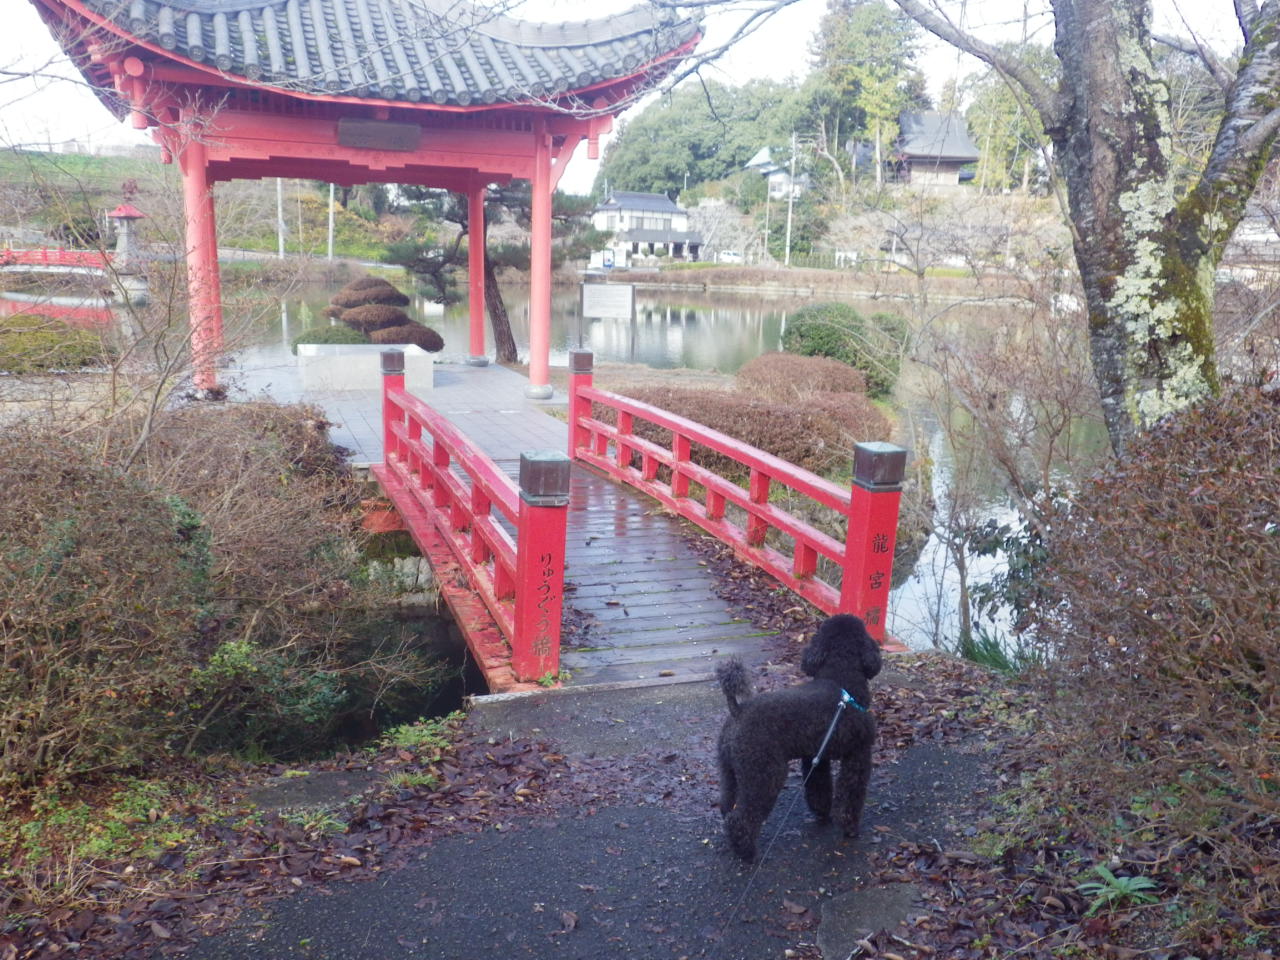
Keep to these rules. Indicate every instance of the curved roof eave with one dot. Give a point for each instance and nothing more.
(391, 52)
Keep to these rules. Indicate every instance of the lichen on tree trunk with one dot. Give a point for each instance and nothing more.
(1147, 258)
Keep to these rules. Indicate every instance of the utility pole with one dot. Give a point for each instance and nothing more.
(279, 218)
(791, 199)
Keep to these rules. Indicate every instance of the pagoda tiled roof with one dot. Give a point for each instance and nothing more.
(431, 51)
(935, 136)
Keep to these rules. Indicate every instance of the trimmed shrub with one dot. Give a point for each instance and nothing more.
(808, 437)
(375, 316)
(414, 333)
(788, 377)
(212, 597)
(367, 290)
(339, 333)
(1162, 693)
(31, 344)
(102, 582)
(332, 312)
(836, 330)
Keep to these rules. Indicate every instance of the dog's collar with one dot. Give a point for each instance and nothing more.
(846, 699)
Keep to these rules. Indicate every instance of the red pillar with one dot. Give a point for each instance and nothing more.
(540, 561)
(580, 376)
(215, 271)
(202, 265)
(539, 386)
(878, 469)
(475, 274)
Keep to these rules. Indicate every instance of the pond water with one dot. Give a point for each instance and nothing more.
(720, 332)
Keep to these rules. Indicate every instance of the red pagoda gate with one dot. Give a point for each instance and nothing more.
(426, 92)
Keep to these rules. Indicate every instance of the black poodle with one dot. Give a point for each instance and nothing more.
(764, 732)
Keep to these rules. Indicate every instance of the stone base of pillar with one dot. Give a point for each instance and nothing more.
(478, 361)
(543, 392)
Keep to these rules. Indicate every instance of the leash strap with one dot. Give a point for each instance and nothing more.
(845, 700)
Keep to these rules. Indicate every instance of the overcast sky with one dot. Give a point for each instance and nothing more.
(56, 106)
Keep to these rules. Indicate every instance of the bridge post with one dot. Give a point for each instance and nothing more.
(580, 375)
(878, 469)
(540, 558)
(392, 379)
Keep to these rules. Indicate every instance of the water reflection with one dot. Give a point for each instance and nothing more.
(669, 330)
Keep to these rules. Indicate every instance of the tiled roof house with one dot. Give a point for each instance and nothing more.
(646, 224)
(932, 148)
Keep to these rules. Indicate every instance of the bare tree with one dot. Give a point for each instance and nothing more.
(1146, 254)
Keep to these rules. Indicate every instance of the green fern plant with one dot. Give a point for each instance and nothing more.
(1112, 891)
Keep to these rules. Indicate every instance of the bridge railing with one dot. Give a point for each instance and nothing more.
(508, 539)
(868, 508)
(50, 257)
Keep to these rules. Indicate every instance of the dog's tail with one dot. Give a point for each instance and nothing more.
(735, 683)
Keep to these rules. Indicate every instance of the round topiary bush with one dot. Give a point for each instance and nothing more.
(375, 316)
(414, 333)
(874, 345)
(788, 376)
(338, 333)
(368, 290)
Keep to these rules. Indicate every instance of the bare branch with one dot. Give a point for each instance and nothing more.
(1194, 48)
(1045, 100)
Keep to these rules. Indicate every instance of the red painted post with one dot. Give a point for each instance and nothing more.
(680, 452)
(757, 527)
(201, 262)
(392, 412)
(540, 559)
(878, 469)
(539, 387)
(580, 377)
(475, 274)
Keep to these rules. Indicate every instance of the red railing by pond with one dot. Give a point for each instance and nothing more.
(867, 509)
(49, 257)
(507, 541)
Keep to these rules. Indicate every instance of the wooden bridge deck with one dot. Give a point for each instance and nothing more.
(640, 607)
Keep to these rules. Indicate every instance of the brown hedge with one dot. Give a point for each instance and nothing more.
(414, 333)
(818, 437)
(1163, 685)
(789, 377)
(375, 316)
(369, 290)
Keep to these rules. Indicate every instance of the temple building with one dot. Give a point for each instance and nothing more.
(425, 92)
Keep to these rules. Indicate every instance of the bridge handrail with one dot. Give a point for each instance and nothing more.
(59, 257)
(869, 506)
(456, 487)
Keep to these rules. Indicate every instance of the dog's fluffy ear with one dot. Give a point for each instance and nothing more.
(815, 654)
(869, 651)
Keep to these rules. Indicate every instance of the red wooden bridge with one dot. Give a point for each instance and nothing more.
(56, 258)
(518, 544)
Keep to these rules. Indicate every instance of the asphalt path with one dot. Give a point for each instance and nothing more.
(645, 877)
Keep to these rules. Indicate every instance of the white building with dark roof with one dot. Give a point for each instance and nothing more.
(646, 225)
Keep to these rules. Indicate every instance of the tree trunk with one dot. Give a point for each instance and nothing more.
(1146, 257)
(504, 343)
(1148, 286)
